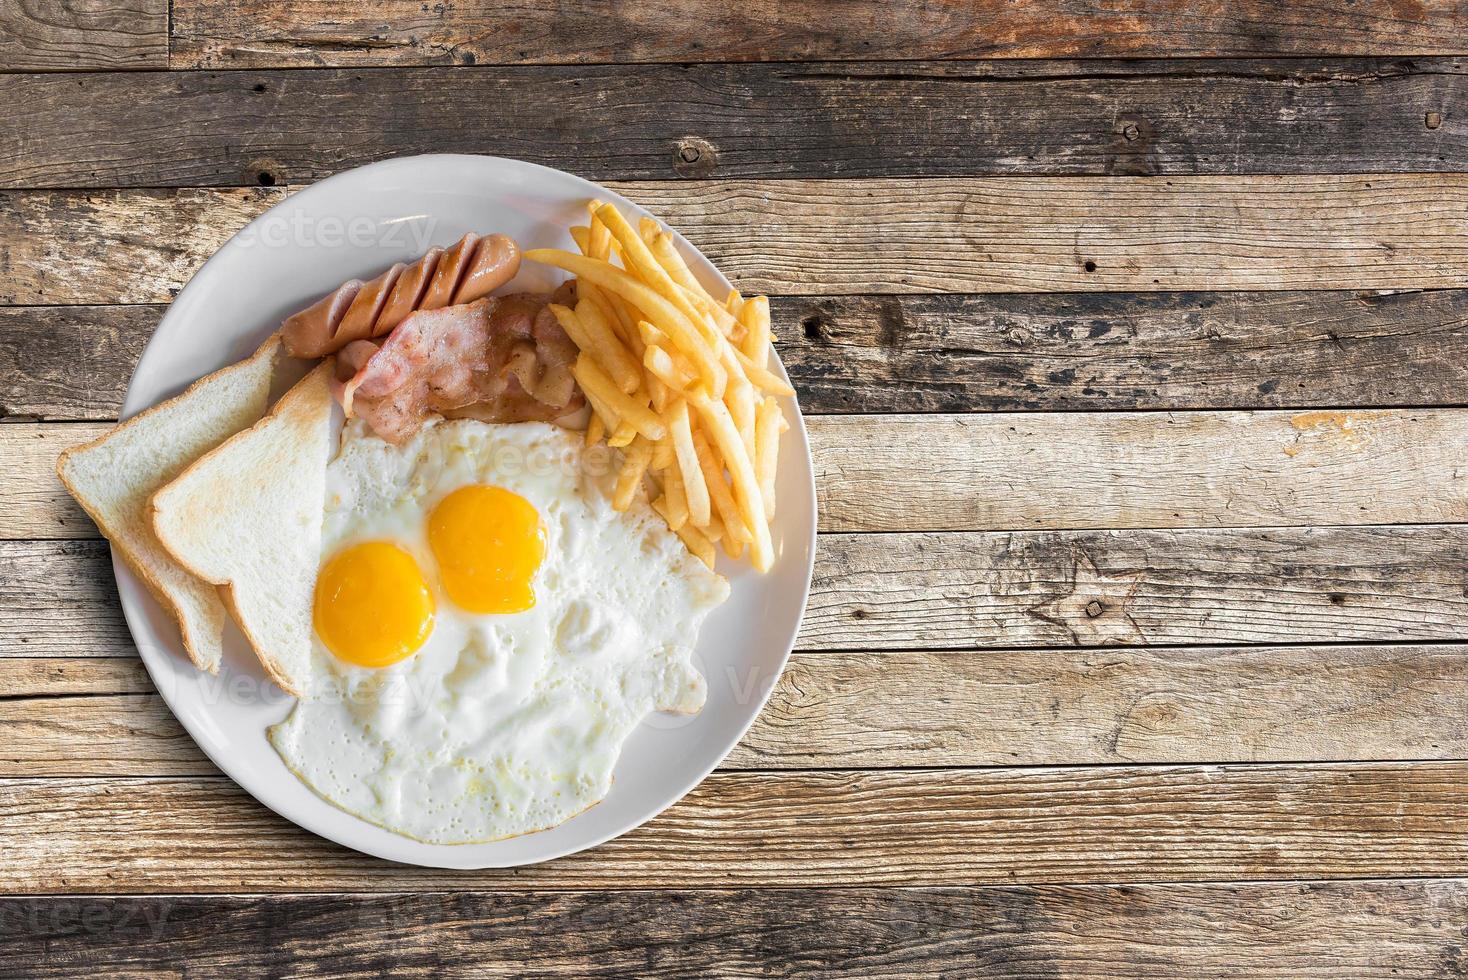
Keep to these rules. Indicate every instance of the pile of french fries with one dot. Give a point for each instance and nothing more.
(679, 381)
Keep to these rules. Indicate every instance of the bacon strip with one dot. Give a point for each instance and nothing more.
(499, 359)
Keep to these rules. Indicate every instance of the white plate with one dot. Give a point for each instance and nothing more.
(356, 224)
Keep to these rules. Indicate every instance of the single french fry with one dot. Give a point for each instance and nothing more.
(663, 455)
(593, 337)
(673, 493)
(623, 436)
(755, 315)
(601, 410)
(595, 383)
(581, 235)
(733, 547)
(695, 491)
(762, 377)
(595, 429)
(734, 303)
(685, 335)
(767, 422)
(696, 541)
(713, 477)
(600, 241)
(661, 365)
(715, 419)
(648, 228)
(741, 399)
(634, 464)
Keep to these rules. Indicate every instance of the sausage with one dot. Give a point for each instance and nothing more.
(470, 269)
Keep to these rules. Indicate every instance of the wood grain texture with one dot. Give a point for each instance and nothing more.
(132, 246)
(72, 35)
(826, 237)
(70, 362)
(752, 121)
(1114, 824)
(1008, 471)
(1113, 588)
(1076, 234)
(950, 353)
(1131, 470)
(1345, 929)
(101, 717)
(1109, 351)
(261, 33)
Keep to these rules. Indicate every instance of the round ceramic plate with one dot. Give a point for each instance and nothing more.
(354, 225)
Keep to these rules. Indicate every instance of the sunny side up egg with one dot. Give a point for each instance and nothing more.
(489, 631)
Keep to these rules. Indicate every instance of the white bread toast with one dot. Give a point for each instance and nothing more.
(115, 476)
(247, 517)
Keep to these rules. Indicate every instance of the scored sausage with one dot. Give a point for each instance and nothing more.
(471, 268)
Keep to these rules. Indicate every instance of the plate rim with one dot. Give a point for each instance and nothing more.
(131, 590)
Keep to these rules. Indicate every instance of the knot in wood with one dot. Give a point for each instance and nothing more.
(695, 157)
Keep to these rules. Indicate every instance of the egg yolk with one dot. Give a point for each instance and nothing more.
(488, 542)
(373, 606)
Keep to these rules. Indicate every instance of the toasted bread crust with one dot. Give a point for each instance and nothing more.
(300, 408)
(269, 350)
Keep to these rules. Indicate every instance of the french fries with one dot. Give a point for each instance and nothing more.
(679, 381)
(589, 331)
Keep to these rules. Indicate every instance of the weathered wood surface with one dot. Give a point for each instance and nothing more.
(71, 35)
(70, 362)
(753, 121)
(968, 591)
(1080, 470)
(825, 237)
(1111, 824)
(1408, 930)
(950, 353)
(101, 717)
(1117, 351)
(262, 33)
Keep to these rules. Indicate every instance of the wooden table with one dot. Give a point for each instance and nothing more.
(1133, 347)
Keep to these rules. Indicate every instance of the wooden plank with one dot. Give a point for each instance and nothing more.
(848, 120)
(131, 246)
(265, 33)
(1345, 929)
(968, 591)
(1099, 351)
(1112, 588)
(951, 353)
(72, 35)
(55, 677)
(70, 362)
(1007, 471)
(1036, 234)
(824, 237)
(101, 717)
(1114, 824)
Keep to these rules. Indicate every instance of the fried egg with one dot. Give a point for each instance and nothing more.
(489, 631)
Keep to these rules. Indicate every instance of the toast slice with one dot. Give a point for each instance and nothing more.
(247, 517)
(115, 476)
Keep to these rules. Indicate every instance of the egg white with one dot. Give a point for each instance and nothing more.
(500, 724)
